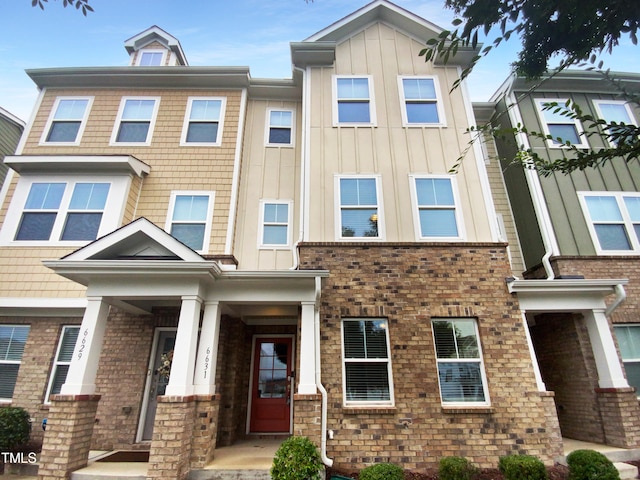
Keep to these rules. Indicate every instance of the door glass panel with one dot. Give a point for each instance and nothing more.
(272, 376)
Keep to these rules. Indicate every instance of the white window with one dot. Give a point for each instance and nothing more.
(62, 360)
(562, 128)
(135, 122)
(67, 120)
(421, 99)
(613, 220)
(359, 213)
(628, 337)
(203, 121)
(67, 210)
(353, 101)
(366, 362)
(279, 128)
(435, 212)
(12, 341)
(275, 221)
(189, 218)
(617, 112)
(151, 58)
(459, 358)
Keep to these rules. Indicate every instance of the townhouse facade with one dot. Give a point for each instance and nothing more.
(191, 256)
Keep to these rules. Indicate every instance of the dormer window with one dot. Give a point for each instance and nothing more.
(151, 58)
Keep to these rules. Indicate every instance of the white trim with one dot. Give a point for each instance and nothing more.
(152, 122)
(539, 103)
(437, 100)
(597, 104)
(416, 208)
(292, 127)
(187, 122)
(371, 101)
(207, 221)
(275, 246)
(51, 119)
(338, 208)
(142, 51)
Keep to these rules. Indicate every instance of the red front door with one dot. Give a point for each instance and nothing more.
(271, 389)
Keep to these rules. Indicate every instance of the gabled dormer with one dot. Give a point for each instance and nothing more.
(155, 48)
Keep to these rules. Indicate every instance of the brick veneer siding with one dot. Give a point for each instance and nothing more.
(409, 284)
(205, 430)
(68, 436)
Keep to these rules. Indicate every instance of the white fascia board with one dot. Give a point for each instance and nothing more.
(77, 163)
(42, 306)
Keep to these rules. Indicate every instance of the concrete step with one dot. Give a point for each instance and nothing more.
(112, 471)
(626, 470)
(219, 474)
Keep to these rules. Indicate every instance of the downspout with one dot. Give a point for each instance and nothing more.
(323, 392)
(621, 296)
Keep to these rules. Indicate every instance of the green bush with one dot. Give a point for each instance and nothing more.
(297, 458)
(591, 465)
(522, 467)
(456, 468)
(382, 471)
(14, 427)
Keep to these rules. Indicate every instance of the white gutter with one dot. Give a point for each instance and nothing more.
(621, 296)
(537, 197)
(235, 186)
(323, 392)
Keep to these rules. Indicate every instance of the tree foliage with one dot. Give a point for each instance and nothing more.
(81, 5)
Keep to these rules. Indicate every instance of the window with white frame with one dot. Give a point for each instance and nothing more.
(366, 362)
(69, 210)
(151, 58)
(62, 360)
(189, 218)
(613, 220)
(615, 112)
(628, 337)
(561, 128)
(435, 207)
(275, 221)
(12, 341)
(353, 101)
(67, 120)
(459, 358)
(135, 121)
(279, 127)
(359, 214)
(421, 99)
(203, 121)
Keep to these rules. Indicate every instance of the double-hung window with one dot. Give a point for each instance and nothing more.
(561, 128)
(359, 213)
(436, 214)
(203, 121)
(67, 121)
(616, 113)
(613, 220)
(135, 122)
(189, 218)
(628, 337)
(459, 358)
(422, 105)
(353, 101)
(12, 341)
(151, 58)
(279, 128)
(366, 362)
(62, 360)
(275, 221)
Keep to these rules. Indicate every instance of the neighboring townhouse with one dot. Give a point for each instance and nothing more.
(580, 241)
(11, 128)
(190, 256)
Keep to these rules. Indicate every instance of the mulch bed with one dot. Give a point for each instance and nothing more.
(558, 472)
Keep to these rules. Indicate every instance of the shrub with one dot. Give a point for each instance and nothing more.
(382, 471)
(591, 465)
(14, 427)
(297, 458)
(456, 468)
(522, 467)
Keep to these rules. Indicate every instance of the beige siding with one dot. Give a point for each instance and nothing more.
(389, 149)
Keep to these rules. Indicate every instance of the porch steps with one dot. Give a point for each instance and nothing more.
(252, 474)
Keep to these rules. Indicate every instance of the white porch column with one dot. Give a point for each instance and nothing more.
(205, 376)
(307, 373)
(534, 359)
(184, 353)
(610, 373)
(81, 377)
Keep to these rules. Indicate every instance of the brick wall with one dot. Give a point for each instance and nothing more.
(409, 284)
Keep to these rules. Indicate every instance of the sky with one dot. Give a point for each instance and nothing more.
(253, 33)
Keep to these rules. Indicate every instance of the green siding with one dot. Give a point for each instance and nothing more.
(10, 133)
